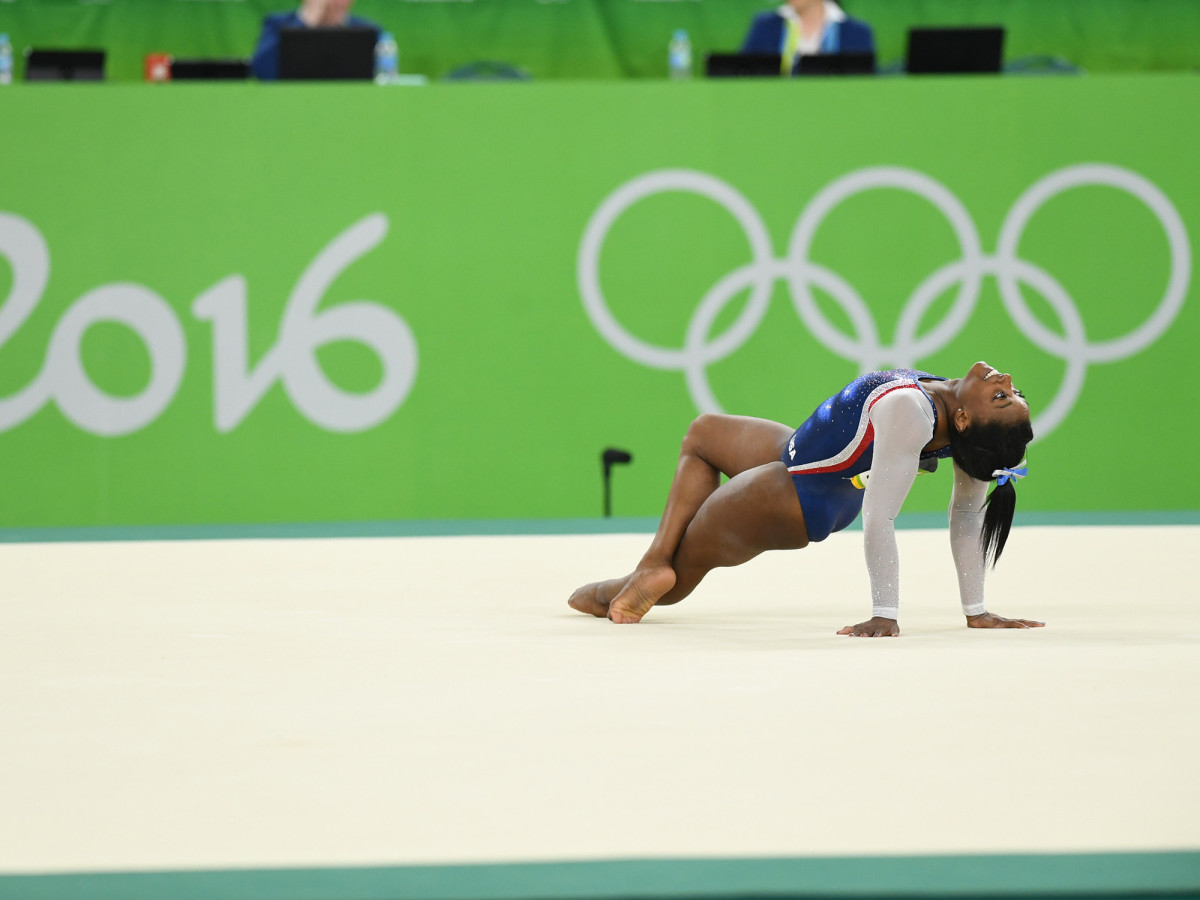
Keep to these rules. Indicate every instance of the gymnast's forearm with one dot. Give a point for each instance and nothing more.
(902, 428)
(966, 524)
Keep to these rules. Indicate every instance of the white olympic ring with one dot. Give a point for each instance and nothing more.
(865, 347)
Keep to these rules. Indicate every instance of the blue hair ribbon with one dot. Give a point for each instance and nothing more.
(1003, 475)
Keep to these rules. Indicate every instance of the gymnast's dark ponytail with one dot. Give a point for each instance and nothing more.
(979, 451)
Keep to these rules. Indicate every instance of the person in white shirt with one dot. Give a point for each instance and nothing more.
(802, 28)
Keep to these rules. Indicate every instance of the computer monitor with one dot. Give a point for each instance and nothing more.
(836, 64)
(64, 65)
(327, 54)
(742, 65)
(209, 70)
(955, 50)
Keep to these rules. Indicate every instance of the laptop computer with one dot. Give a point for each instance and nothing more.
(836, 64)
(209, 70)
(64, 65)
(742, 65)
(768, 65)
(957, 50)
(327, 54)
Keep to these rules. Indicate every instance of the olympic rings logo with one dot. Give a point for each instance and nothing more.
(865, 347)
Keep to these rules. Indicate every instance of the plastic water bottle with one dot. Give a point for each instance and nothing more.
(6, 60)
(679, 56)
(387, 59)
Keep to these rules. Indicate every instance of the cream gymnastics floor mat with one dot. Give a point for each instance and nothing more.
(322, 702)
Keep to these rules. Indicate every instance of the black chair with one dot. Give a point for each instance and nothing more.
(64, 65)
(1042, 65)
(209, 70)
(487, 70)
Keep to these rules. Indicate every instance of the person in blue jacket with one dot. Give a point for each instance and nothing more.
(805, 27)
(311, 14)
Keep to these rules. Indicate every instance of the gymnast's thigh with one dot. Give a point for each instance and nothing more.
(736, 444)
(754, 511)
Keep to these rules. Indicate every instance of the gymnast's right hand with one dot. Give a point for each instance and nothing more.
(879, 626)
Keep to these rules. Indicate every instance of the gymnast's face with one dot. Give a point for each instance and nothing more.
(986, 395)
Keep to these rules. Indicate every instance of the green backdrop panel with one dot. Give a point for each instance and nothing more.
(253, 303)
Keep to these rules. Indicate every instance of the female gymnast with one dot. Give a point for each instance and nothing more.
(860, 449)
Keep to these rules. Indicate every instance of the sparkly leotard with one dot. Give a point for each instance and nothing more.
(837, 442)
(881, 423)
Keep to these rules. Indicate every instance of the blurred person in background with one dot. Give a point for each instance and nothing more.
(807, 27)
(312, 14)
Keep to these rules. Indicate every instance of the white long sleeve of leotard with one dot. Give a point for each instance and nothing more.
(966, 524)
(903, 423)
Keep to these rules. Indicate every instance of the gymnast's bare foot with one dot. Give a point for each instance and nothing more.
(594, 598)
(644, 588)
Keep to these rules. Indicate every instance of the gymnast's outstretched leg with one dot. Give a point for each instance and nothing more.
(714, 445)
(754, 511)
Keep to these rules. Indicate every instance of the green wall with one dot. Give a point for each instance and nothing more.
(606, 39)
(274, 303)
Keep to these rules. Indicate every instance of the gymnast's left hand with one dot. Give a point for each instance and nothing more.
(991, 620)
(879, 626)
